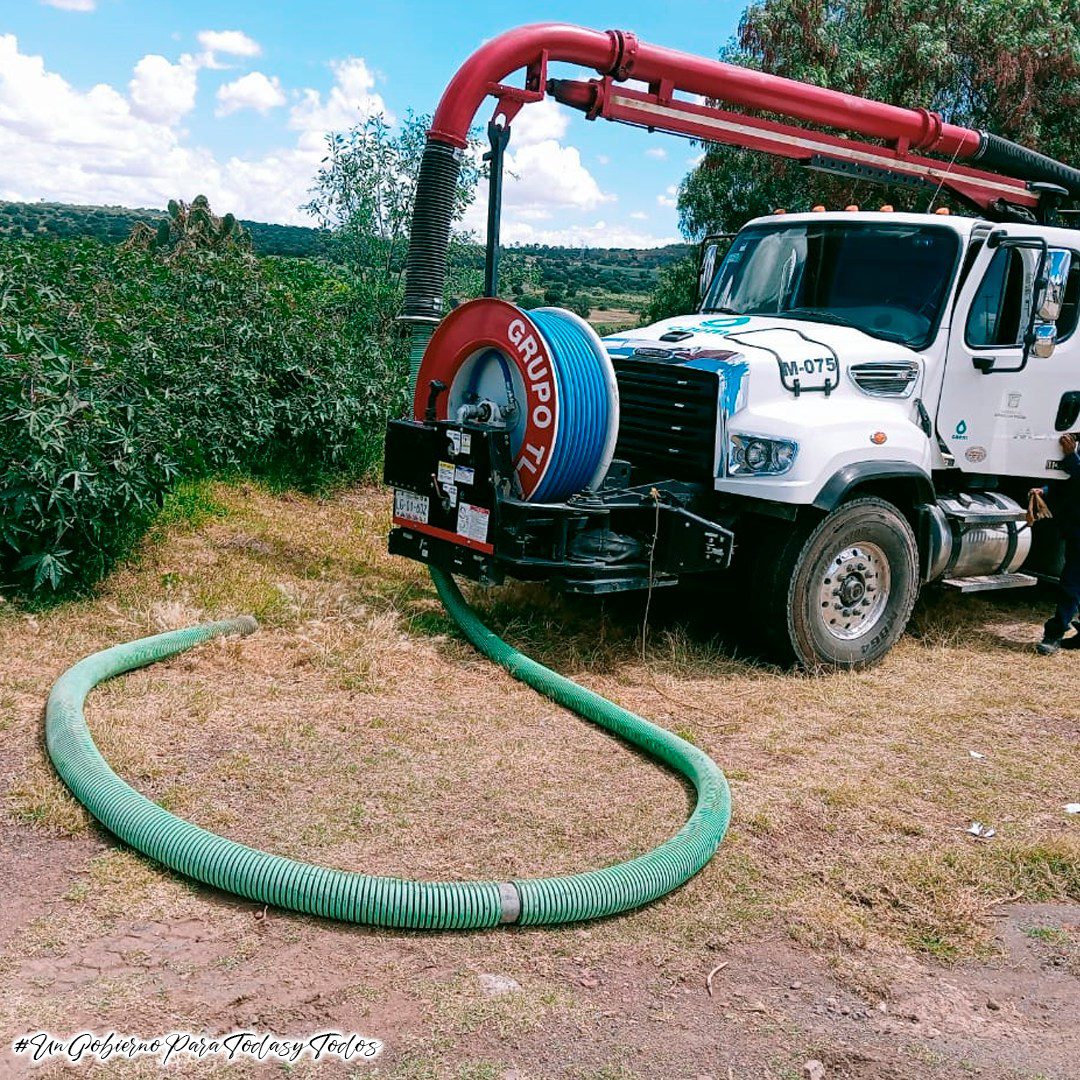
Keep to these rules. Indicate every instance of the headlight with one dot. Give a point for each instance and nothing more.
(759, 456)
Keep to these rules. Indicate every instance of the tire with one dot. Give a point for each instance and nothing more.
(838, 594)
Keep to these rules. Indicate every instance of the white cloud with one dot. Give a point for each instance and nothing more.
(550, 175)
(639, 215)
(669, 197)
(161, 91)
(349, 101)
(251, 91)
(230, 42)
(543, 176)
(657, 152)
(545, 182)
(538, 122)
(71, 5)
(102, 146)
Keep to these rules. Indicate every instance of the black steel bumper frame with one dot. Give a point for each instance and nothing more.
(622, 536)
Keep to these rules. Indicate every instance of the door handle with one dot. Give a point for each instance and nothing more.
(1068, 410)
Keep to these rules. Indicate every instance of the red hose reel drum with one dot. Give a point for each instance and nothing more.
(490, 350)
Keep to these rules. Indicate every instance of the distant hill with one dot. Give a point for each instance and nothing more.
(112, 224)
(621, 269)
(612, 270)
(610, 285)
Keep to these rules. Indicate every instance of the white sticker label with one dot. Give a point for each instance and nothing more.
(451, 493)
(466, 442)
(410, 507)
(446, 472)
(472, 522)
(464, 475)
(455, 442)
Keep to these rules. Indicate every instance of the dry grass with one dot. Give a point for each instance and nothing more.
(355, 730)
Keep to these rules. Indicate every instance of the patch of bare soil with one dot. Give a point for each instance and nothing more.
(573, 1010)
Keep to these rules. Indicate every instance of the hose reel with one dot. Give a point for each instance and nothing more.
(542, 375)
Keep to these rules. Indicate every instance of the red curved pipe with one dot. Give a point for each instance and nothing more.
(503, 55)
(620, 54)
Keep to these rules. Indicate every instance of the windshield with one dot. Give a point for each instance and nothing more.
(889, 281)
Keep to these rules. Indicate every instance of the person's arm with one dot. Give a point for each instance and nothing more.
(1070, 463)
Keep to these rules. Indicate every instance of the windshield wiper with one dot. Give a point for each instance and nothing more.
(822, 315)
(818, 315)
(720, 311)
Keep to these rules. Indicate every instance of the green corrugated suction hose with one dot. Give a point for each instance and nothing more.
(364, 898)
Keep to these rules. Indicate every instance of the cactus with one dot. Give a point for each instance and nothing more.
(191, 227)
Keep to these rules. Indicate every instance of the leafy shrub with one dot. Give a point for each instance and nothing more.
(122, 371)
(675, 292)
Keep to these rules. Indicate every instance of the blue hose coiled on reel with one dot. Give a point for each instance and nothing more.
(584, 403)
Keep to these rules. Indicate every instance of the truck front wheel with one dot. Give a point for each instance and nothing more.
(839, 594)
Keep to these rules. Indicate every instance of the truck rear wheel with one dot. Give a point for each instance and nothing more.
(840, 595)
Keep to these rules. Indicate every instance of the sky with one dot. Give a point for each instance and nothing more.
(134, 102)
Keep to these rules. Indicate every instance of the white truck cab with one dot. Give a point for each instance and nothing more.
(911, 372)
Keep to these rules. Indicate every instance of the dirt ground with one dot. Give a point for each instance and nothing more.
(614, 318)
(848, 919)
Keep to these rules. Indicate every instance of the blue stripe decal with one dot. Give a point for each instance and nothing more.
(731, 372)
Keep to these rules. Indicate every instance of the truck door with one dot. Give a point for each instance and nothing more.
(1003, 404)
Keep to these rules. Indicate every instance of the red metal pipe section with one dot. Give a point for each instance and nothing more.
(484, 71)
(921, 129)
(621, 55)
(659, 110)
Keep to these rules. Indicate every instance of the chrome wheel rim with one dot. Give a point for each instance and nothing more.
(854, 591)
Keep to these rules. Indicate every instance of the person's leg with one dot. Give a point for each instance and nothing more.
(1068, 595)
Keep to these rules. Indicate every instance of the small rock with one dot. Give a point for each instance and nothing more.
(590, 982)
(494, 985)
(796, 985)
(992, 1005)
(813, 1070)
(882, 1006)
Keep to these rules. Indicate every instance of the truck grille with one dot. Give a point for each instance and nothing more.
(667, 418)
(885, 378)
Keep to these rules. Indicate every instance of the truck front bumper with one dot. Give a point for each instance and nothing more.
(454, 507)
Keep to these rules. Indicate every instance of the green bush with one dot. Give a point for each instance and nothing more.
(675, 292)
(122, 371)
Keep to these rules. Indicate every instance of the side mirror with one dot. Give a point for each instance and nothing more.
(1045, 340)
(708, 268)
(1058, 264)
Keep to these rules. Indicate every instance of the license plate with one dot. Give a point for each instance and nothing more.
(410, 507)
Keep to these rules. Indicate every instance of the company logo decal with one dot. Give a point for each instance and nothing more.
(714, 326)
(961, 430)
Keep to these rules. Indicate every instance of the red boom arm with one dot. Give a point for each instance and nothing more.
(618, 55)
